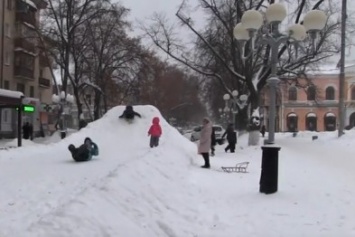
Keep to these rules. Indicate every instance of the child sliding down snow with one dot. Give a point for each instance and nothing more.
(129, 114)
(154, 132)
(85, 151)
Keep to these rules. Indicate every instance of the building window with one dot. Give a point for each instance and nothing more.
(330, 122)
(32, 91)
(353, 93)
(311, 122)
(329, 93)
(21, 87)
(41, 73)
(24, 60)
(8, 30)
(6, 114)
(6, 85)
(7, 58)
(311, 93)
(9, 4)
(292, 122)
(292, 94)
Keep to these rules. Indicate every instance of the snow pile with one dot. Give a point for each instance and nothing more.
(131, 190)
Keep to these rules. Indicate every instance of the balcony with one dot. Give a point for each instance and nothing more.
(25, 44)
(41, 4)
(24, 73)
(28, 17)
(43, 82)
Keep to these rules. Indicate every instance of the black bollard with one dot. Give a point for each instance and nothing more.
(269, 169)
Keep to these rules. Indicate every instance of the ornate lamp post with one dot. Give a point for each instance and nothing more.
(252, 20)
(270, 35)
(234, 104)
(63, 100)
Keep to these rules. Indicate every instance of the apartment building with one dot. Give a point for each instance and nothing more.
(23, 67)
(313, 107)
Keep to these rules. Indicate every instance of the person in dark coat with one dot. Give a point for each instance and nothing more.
(129, 113)
(263, 130)
(26, 130)
(231, 138)
(213, 141)
(85, 151)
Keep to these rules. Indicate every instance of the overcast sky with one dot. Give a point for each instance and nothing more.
(142, 9)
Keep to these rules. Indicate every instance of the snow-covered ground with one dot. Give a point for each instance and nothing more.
(131, 190)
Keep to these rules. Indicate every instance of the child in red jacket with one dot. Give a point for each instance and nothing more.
(154, 132)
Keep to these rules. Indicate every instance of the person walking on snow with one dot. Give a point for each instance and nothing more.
(154, 132)
(213, 141)
(231, 138)
(204, 145)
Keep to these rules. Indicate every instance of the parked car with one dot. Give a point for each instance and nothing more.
(219, 130)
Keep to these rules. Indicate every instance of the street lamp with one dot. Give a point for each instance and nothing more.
(248, 30)
(234, 104)
(63, 100)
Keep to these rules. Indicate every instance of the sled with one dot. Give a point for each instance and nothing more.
(238, 168)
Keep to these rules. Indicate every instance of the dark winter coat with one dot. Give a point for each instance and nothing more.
(26, 131)
(129, 113)
(155, 129)
(213, 137)
(231, 135)
(85, 151)
(263, 130)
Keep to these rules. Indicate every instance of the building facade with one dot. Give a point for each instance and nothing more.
(23, 67)
(314, 106)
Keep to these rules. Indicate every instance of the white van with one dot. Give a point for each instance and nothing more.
(219, 131)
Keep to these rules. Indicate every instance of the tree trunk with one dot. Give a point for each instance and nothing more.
(254, 131)
(97, 105)
(78, 103)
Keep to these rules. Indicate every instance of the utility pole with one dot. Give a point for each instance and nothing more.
(2, 46)
(342, 71)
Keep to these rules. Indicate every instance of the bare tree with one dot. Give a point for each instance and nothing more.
(62, 23)
(111, 52)
(218, 56)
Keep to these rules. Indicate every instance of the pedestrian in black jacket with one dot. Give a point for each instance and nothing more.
(26, 128)
(213, 141)
(231, 138)
(129, 113)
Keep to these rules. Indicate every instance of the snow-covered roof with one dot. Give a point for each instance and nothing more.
(11, 94)
(331, 69)
(29, 2)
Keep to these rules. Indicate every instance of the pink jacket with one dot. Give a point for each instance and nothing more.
(155, 129)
